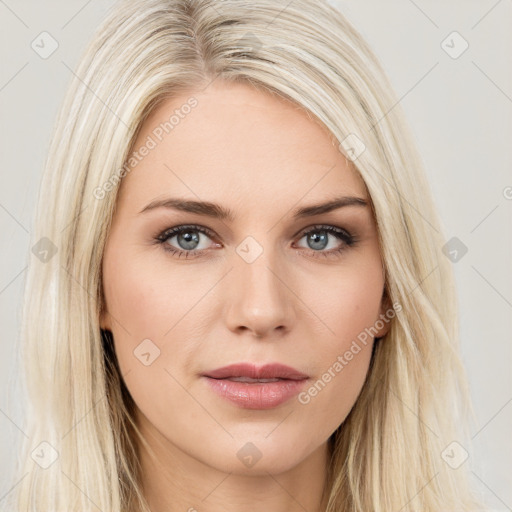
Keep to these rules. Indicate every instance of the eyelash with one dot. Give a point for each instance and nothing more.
(342, 234)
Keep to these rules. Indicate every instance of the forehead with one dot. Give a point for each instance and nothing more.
(239, 143)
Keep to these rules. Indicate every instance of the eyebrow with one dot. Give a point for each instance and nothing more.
(214, 210)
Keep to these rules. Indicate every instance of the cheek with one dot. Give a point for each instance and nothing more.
(350, 307)
(160, 302)
(147, 299)
(349, 302)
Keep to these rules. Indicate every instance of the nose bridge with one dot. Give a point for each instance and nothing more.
(259, 299)
(259, 282)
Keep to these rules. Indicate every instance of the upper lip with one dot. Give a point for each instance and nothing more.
(267, 371)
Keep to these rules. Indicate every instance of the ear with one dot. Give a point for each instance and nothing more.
(384, 320)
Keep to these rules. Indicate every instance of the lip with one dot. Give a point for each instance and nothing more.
(267, 371)
(256, 395)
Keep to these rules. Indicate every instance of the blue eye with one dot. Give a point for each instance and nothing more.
(188, 238)
(318, 239)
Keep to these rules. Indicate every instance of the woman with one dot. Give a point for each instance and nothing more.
(238, 297)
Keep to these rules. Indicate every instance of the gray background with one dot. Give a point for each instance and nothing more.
(460, 110)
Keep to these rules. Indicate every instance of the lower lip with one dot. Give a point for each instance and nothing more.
(256, 395)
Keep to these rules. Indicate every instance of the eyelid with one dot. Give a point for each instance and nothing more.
(319, 227)
(182, 227)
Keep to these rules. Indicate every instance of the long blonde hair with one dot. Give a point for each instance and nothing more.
(388, 453)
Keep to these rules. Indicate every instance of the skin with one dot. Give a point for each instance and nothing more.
(261, 157)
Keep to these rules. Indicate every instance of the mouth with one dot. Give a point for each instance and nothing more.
(268, 372)
(251, 387)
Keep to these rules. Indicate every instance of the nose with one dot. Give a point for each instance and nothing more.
(260, 300)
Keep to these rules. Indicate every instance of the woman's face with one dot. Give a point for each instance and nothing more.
(264, 285)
